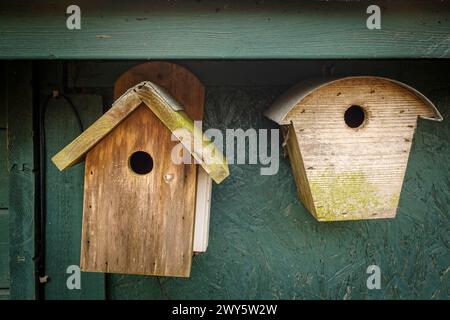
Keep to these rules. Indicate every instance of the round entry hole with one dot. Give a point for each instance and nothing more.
(354, 116)
(141, 162)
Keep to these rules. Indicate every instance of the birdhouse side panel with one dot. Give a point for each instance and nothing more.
(138, 222)
(298, 167)
(356, 172)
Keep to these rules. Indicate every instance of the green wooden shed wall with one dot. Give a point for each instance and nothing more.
(263, 243)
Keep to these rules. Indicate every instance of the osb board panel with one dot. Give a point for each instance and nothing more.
(265, 245)
(356, 173)
(138, 224)
(64, 200)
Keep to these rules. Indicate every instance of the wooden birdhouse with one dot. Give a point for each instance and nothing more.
(348, 141)
(139, 205)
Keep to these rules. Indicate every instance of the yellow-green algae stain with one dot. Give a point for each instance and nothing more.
(347, 196)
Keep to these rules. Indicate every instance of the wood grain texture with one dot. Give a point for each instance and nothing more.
(356, 173)
(163, 74)
(151, 231)
(202, 149)
(298, 167)
(138, 224)
(225, 29)
(64, 200)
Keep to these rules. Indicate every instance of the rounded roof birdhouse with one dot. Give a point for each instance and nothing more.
(348, 142)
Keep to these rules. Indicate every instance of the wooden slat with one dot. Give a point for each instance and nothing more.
(202, 211)
(64, 200)
(4, 249)
(223, 29)
(3, 95)
(4, 180)
(22, 180)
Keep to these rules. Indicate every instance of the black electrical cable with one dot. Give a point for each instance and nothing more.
(42, 175)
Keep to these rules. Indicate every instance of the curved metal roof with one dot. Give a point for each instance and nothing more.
(287, 101)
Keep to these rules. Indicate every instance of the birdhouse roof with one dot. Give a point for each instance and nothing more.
(168, 110)
(286, 102)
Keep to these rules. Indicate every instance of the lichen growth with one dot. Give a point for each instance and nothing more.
(347, 196)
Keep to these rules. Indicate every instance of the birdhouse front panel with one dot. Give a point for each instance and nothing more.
(138, 205)
(348, 142)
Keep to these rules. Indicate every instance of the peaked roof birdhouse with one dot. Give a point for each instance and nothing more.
(348, 141)
(140, 206)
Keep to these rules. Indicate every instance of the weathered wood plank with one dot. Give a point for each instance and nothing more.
(225, 29)
(64, 200)
(22, 178)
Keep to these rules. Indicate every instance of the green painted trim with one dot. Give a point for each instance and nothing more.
(4, 249)
(21, 181)
(225, 29)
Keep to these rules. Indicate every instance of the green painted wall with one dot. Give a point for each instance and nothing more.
(237, 29)
(64, 199)
(22, 179)
(263, 243)
(4, 192)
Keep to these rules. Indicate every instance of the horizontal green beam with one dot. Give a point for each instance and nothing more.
(224, 29)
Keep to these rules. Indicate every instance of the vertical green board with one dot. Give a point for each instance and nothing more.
(64, 201)
(22, 179)
(4, 250)
(4, 191)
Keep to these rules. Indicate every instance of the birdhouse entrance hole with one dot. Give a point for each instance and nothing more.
(141, 162)
(354, 116)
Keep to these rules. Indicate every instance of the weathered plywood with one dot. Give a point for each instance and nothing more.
(64, 201)
(225, 30)
(356, 173)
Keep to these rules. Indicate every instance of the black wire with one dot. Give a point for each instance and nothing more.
(42, 176)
